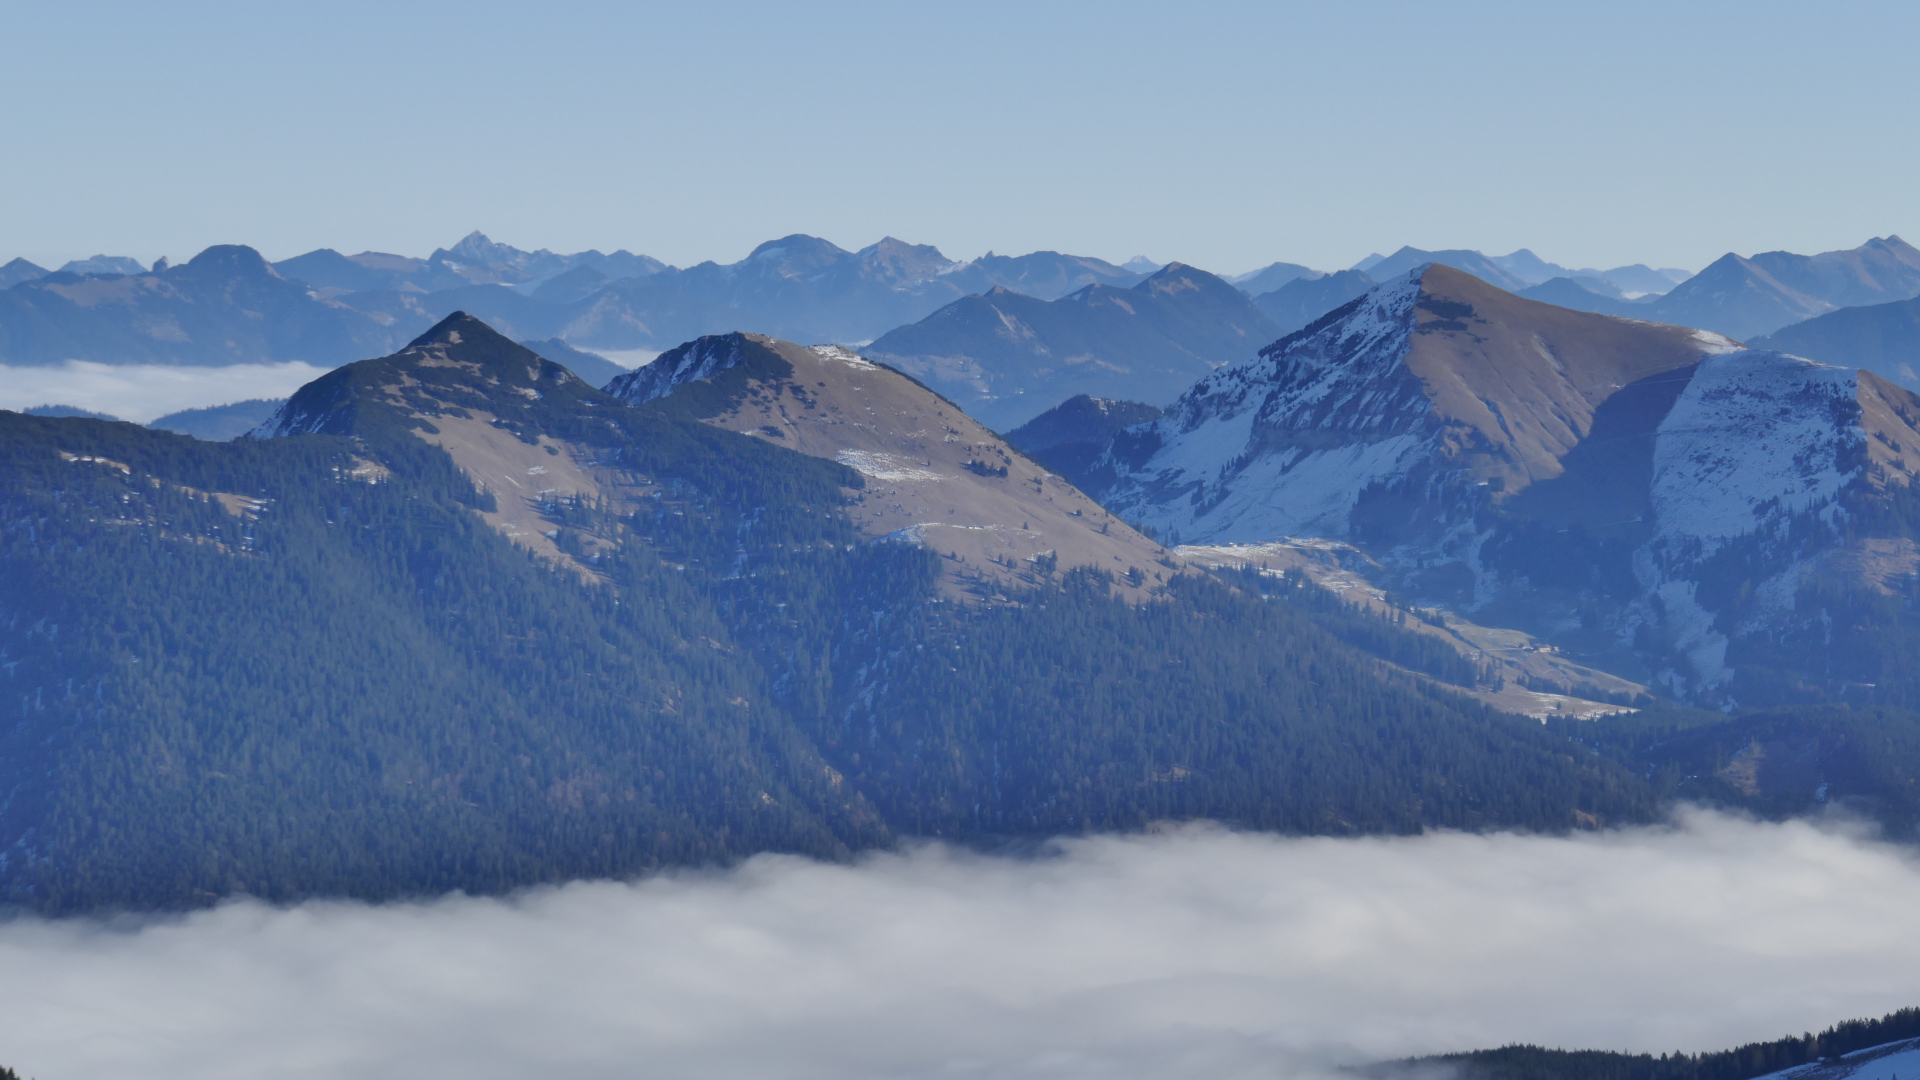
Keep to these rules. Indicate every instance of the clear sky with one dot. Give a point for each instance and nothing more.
(1226, 135)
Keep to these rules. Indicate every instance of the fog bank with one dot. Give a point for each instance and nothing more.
(143, 392)
(1194, 952)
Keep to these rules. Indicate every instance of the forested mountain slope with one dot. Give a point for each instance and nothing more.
(461, 621)
(1072, 435)
(1880, 1049)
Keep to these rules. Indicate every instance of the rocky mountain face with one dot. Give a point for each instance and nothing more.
(1006, 357)
(1653, 495)
(934, 475)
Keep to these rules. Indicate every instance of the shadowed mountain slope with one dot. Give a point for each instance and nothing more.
(1303, 300)
(1882, 338)
(1072, 435)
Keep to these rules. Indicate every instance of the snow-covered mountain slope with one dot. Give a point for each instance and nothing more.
(935, 475)
(1659, 498)
(1434, 379)
(1755, 439)
(1762, 469)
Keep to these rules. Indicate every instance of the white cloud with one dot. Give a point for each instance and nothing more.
(1191, 953)
(143, 392)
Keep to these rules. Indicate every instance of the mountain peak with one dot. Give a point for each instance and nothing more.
(1177, 276)
(460, 371)
(458, 328)
(795, 245)
(476, 246)
(233, 259)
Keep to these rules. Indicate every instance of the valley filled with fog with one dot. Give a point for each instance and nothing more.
(1189, 952)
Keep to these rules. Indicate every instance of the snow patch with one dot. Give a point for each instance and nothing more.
(844, 356)
(885, 466)
(1715, 344)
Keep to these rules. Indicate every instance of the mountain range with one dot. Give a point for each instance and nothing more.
(1747, 297)
(228, 305)
(454, 619)
(1523, 268)
(1070, 437)
(1006, 357)
(225, 306)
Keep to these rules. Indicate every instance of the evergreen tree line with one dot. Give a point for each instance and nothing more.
(1740, 1063)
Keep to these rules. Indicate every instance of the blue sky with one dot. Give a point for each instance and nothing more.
(1225, 135)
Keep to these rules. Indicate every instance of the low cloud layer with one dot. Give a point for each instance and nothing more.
(144, 392)
(1196, 952)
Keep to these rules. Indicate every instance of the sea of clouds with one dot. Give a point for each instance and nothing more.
(144, 392)
(1193, 952)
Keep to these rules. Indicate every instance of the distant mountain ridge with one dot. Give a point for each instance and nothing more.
(1748, 297)
(1304, 299)
(327, 308)
(1006, 357)
(224, 306)
(1883, 338)
(1070, 437)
